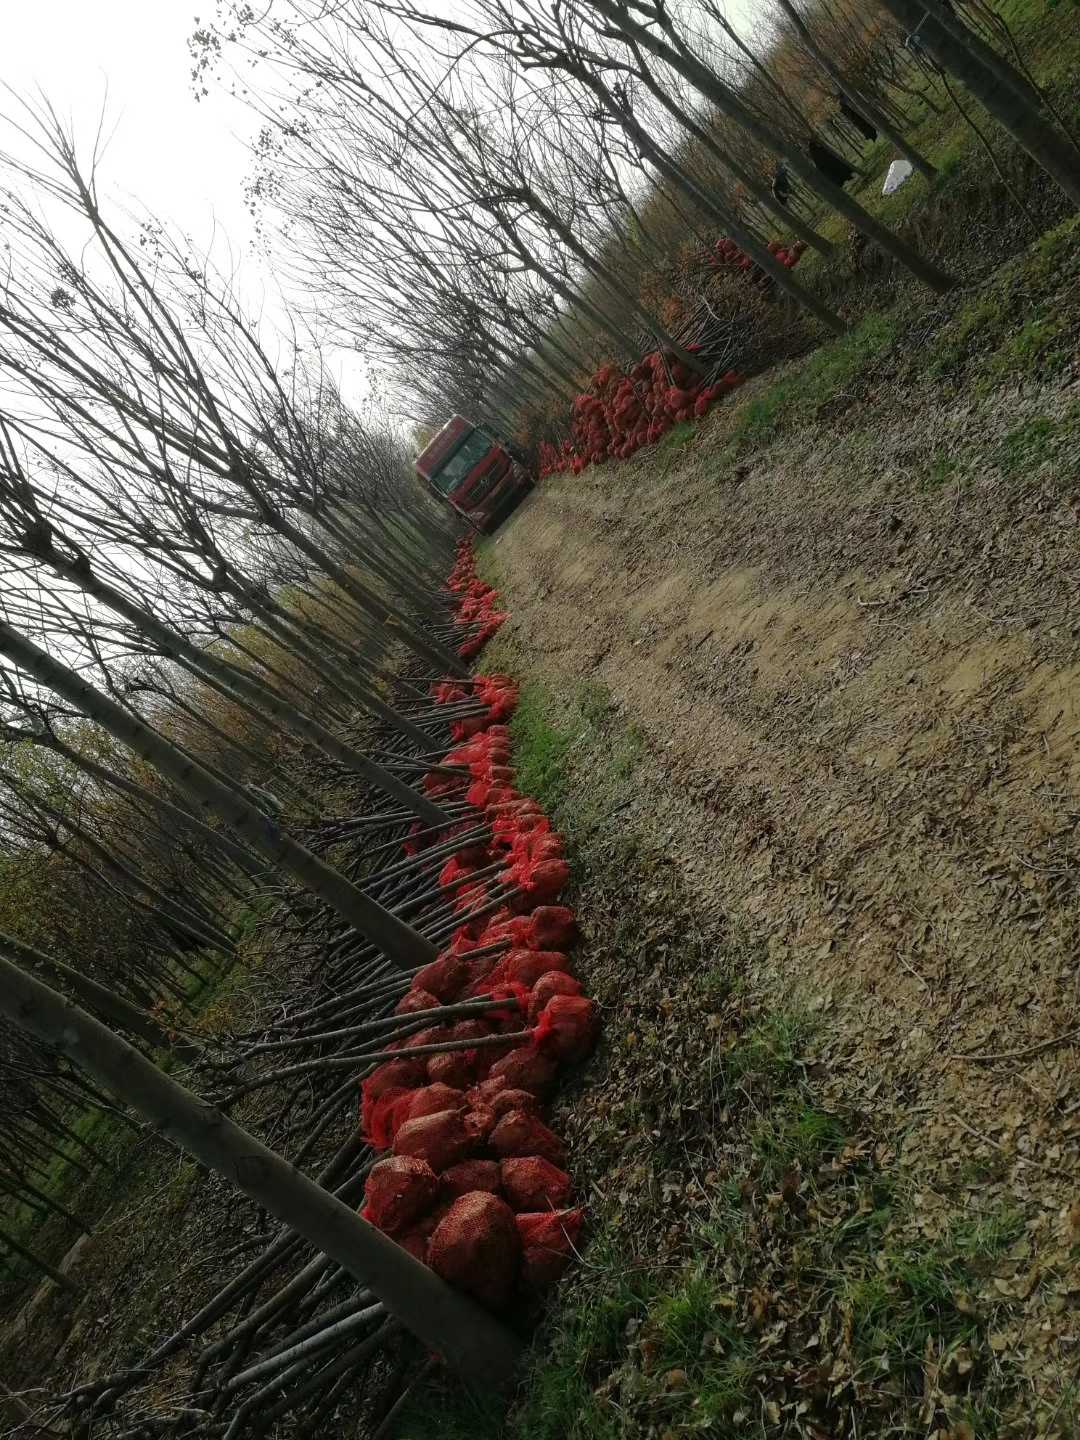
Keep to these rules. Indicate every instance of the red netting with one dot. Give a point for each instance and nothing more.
(528, 1068)
(381, 1092)
(558, 1229)
(416, 1243)
(477, 1248)
(552, 927)
(452, 1068)
(555, 982)
(514, 1100)
(432, 1035)
(397, 1191)
(480, 1121)
(526, 966)
(444, 977)
(568, 1027)
(471, 1175)
(414, 1000)
(548, 1243)
(381, 1118)
(530, 1182)
(519, 1133)
(440, 1139)
(430, 1099)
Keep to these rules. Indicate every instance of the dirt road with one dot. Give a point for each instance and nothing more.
(856, 669)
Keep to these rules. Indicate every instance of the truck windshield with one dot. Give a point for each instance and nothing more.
(447, 479)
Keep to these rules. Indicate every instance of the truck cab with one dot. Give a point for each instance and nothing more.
(473, 473)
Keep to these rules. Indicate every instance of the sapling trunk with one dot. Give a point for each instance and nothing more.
(474, 1344)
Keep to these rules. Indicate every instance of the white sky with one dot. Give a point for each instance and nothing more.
(185, 161)
(182, 160)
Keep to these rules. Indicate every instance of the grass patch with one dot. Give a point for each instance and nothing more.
(983, 338)
(920, 1297)
(815, 382)
(1028, 445)
(553, 736)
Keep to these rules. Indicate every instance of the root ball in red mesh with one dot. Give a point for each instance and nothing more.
(476, 1247)
(530, 1182)
(398, 1191)
(519, 1133)
(471, 1175)
(440, 1139)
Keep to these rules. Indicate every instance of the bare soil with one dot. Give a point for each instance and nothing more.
(854, 661)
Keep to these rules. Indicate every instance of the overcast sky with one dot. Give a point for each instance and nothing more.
(184, 161)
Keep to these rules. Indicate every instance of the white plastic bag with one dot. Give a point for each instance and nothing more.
(899, 171)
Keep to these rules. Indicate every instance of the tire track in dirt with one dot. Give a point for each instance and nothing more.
(871, 774)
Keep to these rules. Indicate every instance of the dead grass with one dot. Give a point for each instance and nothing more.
(757, 1264)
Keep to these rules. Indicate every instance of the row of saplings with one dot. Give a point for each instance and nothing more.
(622, 412)
(474, 1185)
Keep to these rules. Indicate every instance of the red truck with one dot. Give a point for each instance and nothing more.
(473, 472)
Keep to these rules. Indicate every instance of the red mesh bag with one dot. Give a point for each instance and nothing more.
(519, 1133)
(452, 1068)
(454, 872)
(381, 1118)
(510, 1020)
(548, 1240)
(414, 1000)
(476, 1247)
(513, 1100)
(568, 1027)
(479, 970)
(477, 794)
(530, 1182)
(480, 1121)
(381, 1092)
(433, 1035)
(546, 879)
(475, 1029)
(528, 1068)
(471, 1175)
(484, 1092)
(397, 1191)
(416, 1243)
(526, 966)
(430, 1099)
(500, 795)
(444, 977)
(403, 1074)
(470, 898)
(440, 1139)
(552, 927)
(427, 1224)
(555, 982)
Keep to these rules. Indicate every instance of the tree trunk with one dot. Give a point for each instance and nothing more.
(475, 1345)
(999, 87)
(106, 1002)
(267, 702)
(402, 945)
(864, 106)
(727, 101)
(672, 171)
